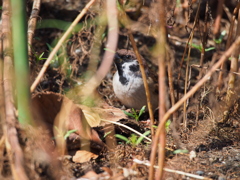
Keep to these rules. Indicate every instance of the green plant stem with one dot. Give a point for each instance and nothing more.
(21, 60)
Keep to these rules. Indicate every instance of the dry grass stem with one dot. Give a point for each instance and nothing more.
(150, 110)
(187, 68)
(111, 47)
(219, 70)
(32, 24)
(127, 127)
(14, 150)
(172, 171)
(59, 44)
(204, 39)
(234, 60)
(2, 104)
(188, 95)
(229, 41)
(218, 18)
(171, 87)
(162, 46)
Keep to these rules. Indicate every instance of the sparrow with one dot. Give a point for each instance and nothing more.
(128, 83)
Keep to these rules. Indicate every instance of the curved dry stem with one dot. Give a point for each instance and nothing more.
(187, 68)
(150, 110)
(171, 170)
(162, 46)
(59, 44)
(32, 23)
(234, 60)
(2, 105)
(218, 18)
(109, 53)
(229, 41)
(127, 127)
(188, 95)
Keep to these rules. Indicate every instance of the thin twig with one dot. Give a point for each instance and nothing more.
(32, 23)
(218, 18)
(59, 44)
(188, 95)
(172, 171)
(131, 129)
(127, 22)
(171, 86)
(148, 95)
(187, 68)
(234, 60)
(2, 103)
(162, 44)
(229, 41)
(111, 46)
(204, 39)
(203, 67)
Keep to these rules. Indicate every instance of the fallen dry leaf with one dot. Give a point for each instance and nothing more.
(52, 109)
(90, 175)
(108, 170)
(94, 115)
(82, 156)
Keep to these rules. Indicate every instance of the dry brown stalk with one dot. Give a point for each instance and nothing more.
(14, 150)
(162, 44)
(188, 95)
(229, 41)
(32, 23)
(185, 50)
(187, 68)
(218, 18)
(234, 61)
(198, 66)
(59, 44)
(150, 110)
(2, 105)
(173, 171)
(186, 83)
(111, 46)
(171, 87)
(204, 40)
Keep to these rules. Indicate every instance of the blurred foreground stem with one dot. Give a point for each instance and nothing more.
(19, 34)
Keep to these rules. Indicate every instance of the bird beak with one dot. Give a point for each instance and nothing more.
(117, 59)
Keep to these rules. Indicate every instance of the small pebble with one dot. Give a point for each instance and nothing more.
(221, 178)
(200, 173)
(192, 155)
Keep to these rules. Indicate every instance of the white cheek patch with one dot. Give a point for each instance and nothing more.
(131, 68)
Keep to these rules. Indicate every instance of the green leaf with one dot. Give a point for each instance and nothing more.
(167, 125)
(142, 111)
(155, 126)
(106, 134)
(182, 151)
(122, 138)
(68, 133)
(199, 47)
(128, 114)
(209, 49)
(107, 49)
(140, 139)
(133, 139)
(219, 40)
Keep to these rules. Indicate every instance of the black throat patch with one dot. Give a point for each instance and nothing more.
(124, 81)
(134, 67)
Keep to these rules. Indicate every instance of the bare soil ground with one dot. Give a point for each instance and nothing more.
(211, 135)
